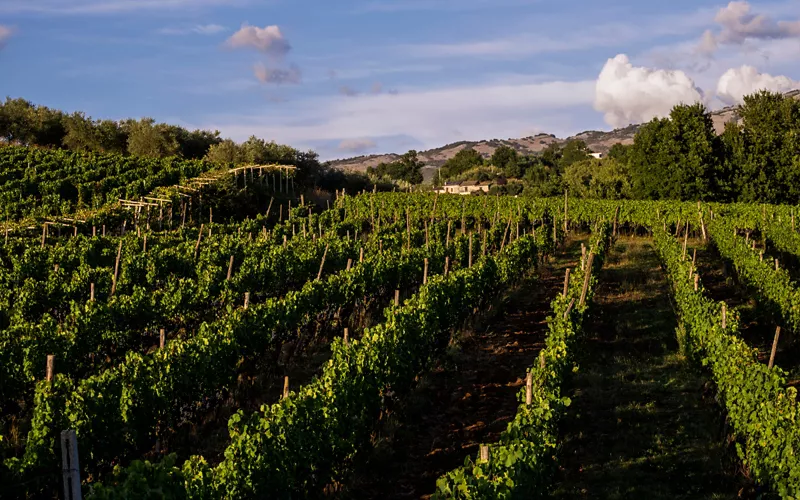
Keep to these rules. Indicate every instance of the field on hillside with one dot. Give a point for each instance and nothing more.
(228, 333)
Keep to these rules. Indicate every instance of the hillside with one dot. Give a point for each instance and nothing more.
(598, 141)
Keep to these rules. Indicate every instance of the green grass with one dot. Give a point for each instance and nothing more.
(643, 423)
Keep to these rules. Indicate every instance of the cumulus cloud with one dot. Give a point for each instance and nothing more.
(627, 94)
(738, 24)
(268, 40)
(739, 82)
(356, 145)
(291, 75)
(5, 34)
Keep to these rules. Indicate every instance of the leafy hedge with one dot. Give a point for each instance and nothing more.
(521, 464)
(762, 411)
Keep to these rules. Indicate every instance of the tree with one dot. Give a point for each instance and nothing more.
(464, 160)
(769, 146)
(145, 138)
(573, 151)
(81, 133)
(602, 179)
(503, 155)
(407, 168)
(226, 152)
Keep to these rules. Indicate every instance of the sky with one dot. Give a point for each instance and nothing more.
(358, 77)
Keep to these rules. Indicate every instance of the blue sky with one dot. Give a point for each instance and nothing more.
(370, 76)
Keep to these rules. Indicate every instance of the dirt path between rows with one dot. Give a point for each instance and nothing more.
(467, 399)
(643, 422)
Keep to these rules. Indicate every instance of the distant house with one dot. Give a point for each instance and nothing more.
(469, 187)
(599, 156)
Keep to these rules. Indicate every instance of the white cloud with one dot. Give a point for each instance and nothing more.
(291, 75)
(268, 40)
(357, 145)
(739, 82)
(738, 24)
(199, 29)
(5, 34)
(628, 94)
(427, 115)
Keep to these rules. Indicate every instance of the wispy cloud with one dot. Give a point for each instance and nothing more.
(198, 29)
(737, 24)
(291, 75)
(592, 36)
(430, 115)
(107, 6)
(360, 145)
(5, 34)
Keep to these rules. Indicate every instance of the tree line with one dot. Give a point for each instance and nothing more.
(755, 159)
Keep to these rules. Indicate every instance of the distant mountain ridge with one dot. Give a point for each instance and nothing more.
(598, 141)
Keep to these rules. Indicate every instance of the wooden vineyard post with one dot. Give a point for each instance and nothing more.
(70, 466)
(322, 264)
(94, 231)
(696, 282)
(774, 348)
(104, 230)
(199, 235)
(529, 389)
(91, 291)
(285, 387)
(694, 258)
(116, 269)
(397, 297)
(345, 338)
(246, 299)
(51, 368)
(449, 224)
(408, 230)
(569, 308)
(566, 282)
(361, 255)
(425, 273)
(724, 315)
(777, 265)
(484, 453)
(230, 269)
(44, 233)
(426, 235)
(483, 248)
(470, 251)
(588, 275)
(583, 256)
(162, 338)
(269, 207)
(702, 226)
(144, 244)
(566, 218)
(446, 265)
(349, 264)
(280, 212)
(685, 242)
(285, 241)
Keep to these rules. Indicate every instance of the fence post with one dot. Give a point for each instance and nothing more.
(774, 347)
(70, 466)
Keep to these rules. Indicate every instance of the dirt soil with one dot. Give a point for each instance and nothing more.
(467, 399)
